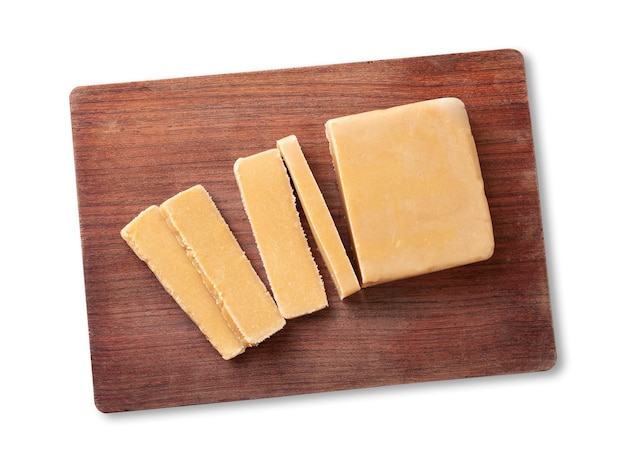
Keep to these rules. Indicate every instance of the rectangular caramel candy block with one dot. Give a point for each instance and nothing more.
(271, 208)
(319, 218)
(149, 236)
(226, 271)
(412, 188)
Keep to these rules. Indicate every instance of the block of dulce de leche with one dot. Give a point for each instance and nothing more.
(270, 205)
(319, 218)
(225, 269)
(412, 189)
(149, 236)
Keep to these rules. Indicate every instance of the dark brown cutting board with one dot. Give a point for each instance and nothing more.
(139, 143)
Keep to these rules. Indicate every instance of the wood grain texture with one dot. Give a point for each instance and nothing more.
(139, 143)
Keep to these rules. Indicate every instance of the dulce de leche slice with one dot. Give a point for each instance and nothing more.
(225, 269)
(319, 218)
(271, 208)
(412, 188)
(149, 236)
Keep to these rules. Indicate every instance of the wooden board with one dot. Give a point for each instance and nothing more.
(139, 143)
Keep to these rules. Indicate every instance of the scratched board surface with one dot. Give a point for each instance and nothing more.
(139, 143)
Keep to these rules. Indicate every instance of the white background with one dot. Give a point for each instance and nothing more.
(575, 64)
